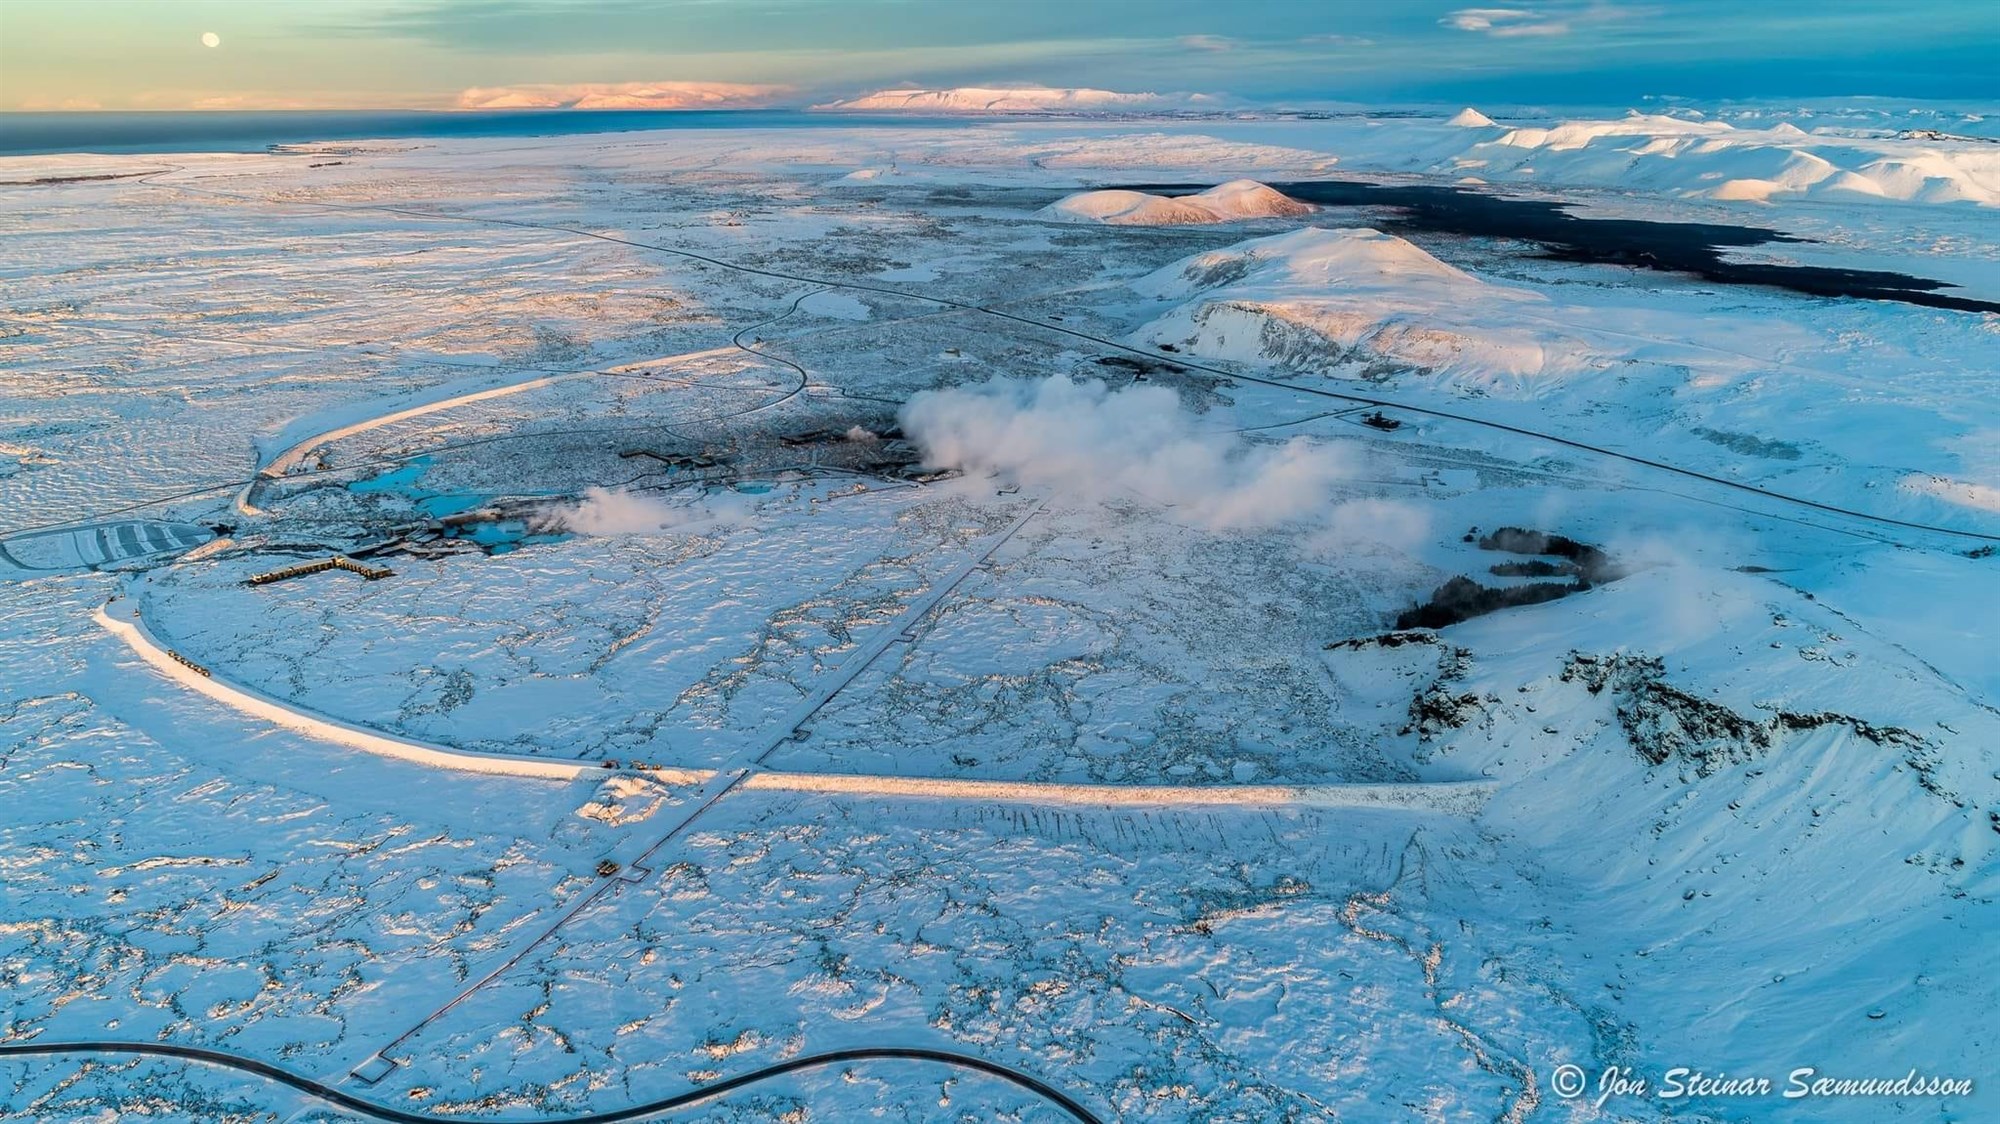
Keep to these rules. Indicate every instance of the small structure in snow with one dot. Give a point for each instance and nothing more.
(337, 562)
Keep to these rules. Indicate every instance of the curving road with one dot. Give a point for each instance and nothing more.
(342, 1099)
(969, 306)
(1446, 797)
(1055, 1097)
(278, 465)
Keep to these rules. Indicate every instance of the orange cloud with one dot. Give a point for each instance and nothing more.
(622, 95)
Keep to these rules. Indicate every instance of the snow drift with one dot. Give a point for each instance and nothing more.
(1228, 202)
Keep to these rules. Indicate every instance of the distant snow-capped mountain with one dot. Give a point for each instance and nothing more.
(1025, 99)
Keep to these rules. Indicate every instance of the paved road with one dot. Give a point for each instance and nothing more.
(352, 1103)
(898, 629)
(1101, 341)
(1054, 1096)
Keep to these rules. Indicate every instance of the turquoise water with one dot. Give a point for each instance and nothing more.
(221, 131)
(498, 536)
(437, 507)
(502, 535)
(396, 480)
(403, 482)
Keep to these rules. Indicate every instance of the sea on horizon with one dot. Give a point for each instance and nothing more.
(133, 131)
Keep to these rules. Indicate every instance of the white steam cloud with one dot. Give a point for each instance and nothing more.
(1094, 442)
(601, 511)
(1376, 522)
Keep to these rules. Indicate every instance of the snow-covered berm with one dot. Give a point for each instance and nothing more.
(1019, 99)
(1227, 202)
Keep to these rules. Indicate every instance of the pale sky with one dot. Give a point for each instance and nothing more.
(151, 54)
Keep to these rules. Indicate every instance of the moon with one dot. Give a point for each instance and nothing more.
(210, 39)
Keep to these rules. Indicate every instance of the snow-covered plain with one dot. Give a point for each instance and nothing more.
(658, 434)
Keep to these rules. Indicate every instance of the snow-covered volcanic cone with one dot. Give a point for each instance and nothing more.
(1228, 202)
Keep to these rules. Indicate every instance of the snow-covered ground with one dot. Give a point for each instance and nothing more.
(1858, 151)
(905, 602)
(1718, 160)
